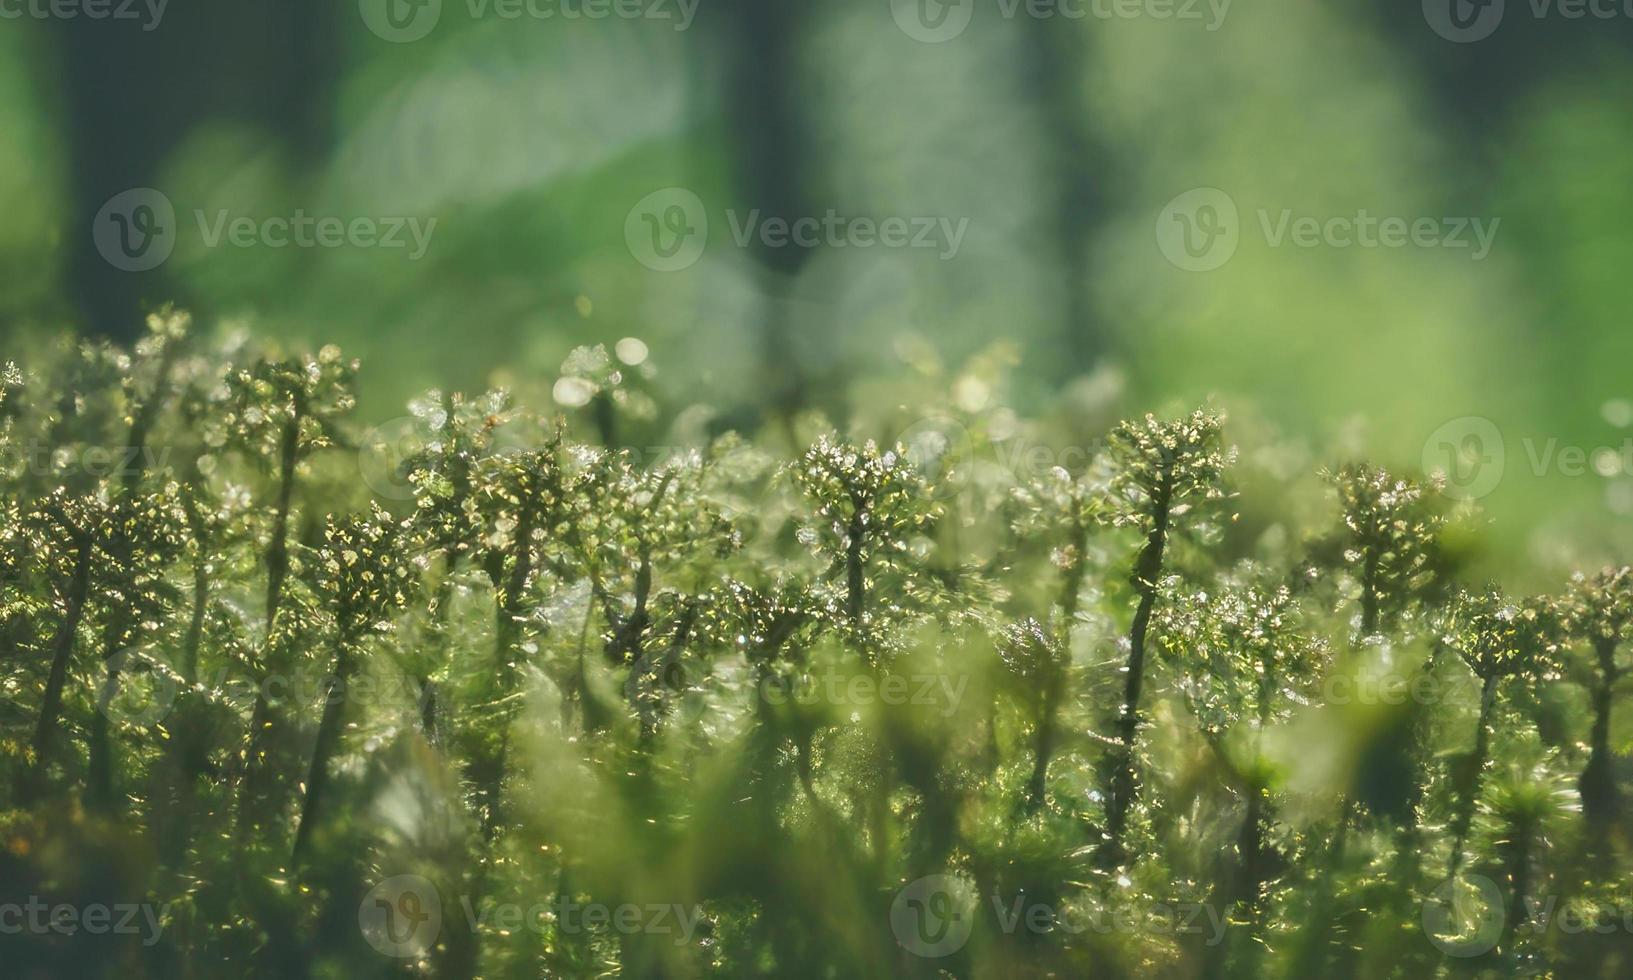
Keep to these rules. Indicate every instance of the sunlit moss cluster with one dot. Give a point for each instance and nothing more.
(851, 709)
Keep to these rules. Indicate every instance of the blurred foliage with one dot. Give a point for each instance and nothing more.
(1058, 138)
(700, 713)
(604, 634)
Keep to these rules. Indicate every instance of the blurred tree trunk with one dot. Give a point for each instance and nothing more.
(1054, 75)
(130, 97)
(772, 150)
(1597, 786)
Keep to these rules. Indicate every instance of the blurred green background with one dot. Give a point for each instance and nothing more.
(1059, 138)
